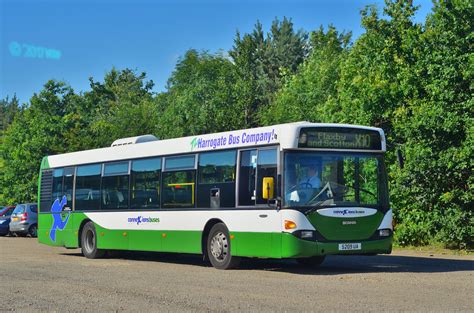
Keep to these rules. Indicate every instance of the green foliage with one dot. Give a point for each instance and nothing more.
(415, 228)
(39, 130)
(436, 127)
(8, 110)
(413, 80)
(200, 97)
(122, 106)
(311, 93)
(261, 62)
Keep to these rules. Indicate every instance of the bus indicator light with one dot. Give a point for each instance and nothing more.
(290, 224)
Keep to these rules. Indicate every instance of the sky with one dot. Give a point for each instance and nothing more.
(73, 40)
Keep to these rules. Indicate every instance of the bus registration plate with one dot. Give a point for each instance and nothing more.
(349, 246)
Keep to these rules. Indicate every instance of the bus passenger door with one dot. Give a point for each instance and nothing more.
(259, 237)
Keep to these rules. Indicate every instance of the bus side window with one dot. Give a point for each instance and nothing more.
(216, 174)
(145, 177)
(87, 193)
(115, 186)
(63, 183)
(254, 166)
(68, 185)
(58, 183)
(247, 177)
(179, 182)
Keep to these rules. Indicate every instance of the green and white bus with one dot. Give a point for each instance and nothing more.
(298, 190)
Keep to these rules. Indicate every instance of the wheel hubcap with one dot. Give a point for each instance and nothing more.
(219, 246)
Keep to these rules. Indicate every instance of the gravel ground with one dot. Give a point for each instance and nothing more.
(36, 277)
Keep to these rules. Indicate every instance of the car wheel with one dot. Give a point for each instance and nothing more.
(89, 242)
(33, 231)
(313, 261)
(218, 248)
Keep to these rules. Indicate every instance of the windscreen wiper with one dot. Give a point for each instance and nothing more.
(316, 205)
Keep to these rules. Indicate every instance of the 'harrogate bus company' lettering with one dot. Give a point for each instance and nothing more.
(234, 139)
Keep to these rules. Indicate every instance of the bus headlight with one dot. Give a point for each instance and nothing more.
(385, 232)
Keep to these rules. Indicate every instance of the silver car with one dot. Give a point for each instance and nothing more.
(24, 220)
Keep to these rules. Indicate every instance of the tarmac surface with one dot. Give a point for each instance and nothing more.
(36, 277)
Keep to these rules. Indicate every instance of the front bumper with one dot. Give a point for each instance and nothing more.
(294, 247)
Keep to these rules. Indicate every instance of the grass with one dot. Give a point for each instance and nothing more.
(434, 249)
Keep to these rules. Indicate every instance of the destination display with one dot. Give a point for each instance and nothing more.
(339, 138)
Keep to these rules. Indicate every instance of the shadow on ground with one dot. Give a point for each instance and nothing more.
(333, 265)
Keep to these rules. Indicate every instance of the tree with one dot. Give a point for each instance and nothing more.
(39, 130)
(261, 63)
(200, 97)
(121, 106)
(311, 93)
(9, 108)
(434, 192)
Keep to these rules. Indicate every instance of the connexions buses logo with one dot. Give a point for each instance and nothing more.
(346, 212)
(140, 219)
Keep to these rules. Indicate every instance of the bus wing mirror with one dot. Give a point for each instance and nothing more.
(268, 187)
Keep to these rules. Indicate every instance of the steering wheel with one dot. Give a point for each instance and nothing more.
(305, 185)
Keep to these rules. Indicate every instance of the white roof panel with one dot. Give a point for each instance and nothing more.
(284, 134)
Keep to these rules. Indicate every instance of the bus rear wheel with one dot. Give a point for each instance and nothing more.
(218, 248)
(313, 261)
(89, 242)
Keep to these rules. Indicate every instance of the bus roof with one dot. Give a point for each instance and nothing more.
(286, 135)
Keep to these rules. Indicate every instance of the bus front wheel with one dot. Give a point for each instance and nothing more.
(89, 242)
(218, 248)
